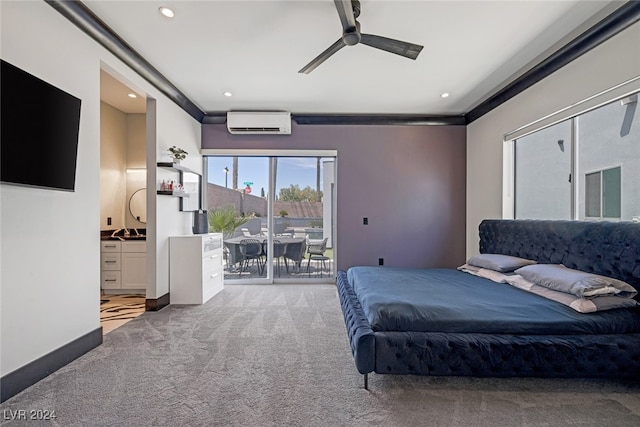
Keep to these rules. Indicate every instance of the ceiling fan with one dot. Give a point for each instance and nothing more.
(349, 10)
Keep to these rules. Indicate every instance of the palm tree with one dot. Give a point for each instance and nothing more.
(318, 179)
(235, 173)
(275, 171)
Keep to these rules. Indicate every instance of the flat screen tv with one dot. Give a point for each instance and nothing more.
(39, 126)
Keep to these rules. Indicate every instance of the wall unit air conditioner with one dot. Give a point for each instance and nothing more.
(262, 122)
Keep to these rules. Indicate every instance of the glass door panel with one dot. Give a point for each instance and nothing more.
(303, 217)
(237, 206)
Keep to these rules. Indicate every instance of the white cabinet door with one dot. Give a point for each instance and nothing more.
(134, 270)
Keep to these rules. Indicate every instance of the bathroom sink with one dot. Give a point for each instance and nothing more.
(129, 234)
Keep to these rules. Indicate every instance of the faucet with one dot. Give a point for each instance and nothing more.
(114, 234)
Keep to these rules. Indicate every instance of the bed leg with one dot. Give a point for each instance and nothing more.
(366, 381)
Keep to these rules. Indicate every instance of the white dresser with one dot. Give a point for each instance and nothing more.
(123, 266)
(195, 268)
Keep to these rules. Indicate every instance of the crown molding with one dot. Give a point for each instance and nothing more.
(87, 21)
(619, 20)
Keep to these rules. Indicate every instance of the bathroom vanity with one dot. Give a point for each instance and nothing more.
(123, 266)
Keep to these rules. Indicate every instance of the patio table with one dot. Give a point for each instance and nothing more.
(292, 248)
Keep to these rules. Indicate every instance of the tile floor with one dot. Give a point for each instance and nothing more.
(116, 310)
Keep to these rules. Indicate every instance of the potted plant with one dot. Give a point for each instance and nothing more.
(177, 154)
(225, 220)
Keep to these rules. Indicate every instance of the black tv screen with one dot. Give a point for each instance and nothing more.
(39, 126)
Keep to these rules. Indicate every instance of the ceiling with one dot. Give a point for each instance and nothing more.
(254, 50)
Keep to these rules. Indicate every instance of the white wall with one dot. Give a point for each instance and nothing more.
(169, 220)
(613, 62)
(50, 252)
(113, 162)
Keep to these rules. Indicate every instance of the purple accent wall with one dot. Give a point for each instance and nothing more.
(409, 181)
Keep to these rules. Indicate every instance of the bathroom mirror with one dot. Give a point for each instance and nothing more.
(138, 205)
(191, 183)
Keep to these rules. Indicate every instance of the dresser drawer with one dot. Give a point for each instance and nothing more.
(111, 280)
(212, 284)
(210, 243)
(110, 261)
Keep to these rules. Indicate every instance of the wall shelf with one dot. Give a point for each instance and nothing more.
(182, 194)
(173, 193)
(174, 167)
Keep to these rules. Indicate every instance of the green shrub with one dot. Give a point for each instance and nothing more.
(225, 220)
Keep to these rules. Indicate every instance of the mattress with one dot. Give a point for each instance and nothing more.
(451, 301)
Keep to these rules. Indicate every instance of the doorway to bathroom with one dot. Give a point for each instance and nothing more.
(123, 211)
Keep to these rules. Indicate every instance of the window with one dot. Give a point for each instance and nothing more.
(603, 194)
(586, 167)
(543, 166)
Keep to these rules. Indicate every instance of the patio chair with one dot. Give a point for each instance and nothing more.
(316, 253)
(251, 249)
(279, 250)
(296, 253)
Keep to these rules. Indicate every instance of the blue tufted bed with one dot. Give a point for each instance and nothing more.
(449, 322)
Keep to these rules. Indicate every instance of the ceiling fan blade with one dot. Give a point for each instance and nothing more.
(339, 44)
(345, 10)
(408, 50)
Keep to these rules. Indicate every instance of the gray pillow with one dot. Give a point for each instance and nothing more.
(498, 262)
(576, 282)
(582, 305)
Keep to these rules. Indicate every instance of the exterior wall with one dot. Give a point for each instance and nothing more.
(219, 197)
(36, 289)
(607, 65)
(408, 180)
(606, 137)
(542, 187)
(610, 137)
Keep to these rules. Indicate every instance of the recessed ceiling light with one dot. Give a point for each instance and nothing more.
(166, 11)
(228, 94)
(132, 95)
(444, 95)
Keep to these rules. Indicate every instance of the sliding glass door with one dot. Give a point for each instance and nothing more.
(276, 214)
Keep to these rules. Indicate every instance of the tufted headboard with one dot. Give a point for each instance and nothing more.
(608, 248)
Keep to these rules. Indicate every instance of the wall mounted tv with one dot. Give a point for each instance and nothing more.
(39, 126)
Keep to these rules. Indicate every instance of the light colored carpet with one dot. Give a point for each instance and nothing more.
(278, 355)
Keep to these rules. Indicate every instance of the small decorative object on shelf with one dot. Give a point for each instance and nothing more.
(177, 154)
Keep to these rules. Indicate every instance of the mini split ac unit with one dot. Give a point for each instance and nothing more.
(263, 122)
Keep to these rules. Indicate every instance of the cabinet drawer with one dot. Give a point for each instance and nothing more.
(211, 285)
(110, 261)
(110, 246)
(111, 280)
(211, 243)
(213, 260)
